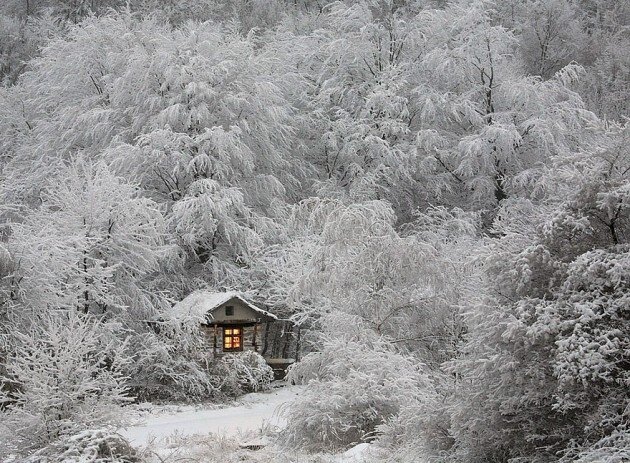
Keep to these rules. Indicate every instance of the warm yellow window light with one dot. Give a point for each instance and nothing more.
(232, 338)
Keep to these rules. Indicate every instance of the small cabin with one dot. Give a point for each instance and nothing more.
(229, 321)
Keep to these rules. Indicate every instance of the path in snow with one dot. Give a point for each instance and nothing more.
(255, 411)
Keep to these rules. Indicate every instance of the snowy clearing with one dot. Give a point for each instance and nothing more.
(192, 433)
(255, 412)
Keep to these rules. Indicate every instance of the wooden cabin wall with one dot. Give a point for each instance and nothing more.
(248, 338)
(277, 339)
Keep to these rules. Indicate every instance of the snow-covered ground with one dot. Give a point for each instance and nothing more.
(211, 433)
(253, 413)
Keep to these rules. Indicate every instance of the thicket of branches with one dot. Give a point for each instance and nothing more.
(436, 191)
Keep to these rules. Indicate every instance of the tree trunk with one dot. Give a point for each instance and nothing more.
(298, 343)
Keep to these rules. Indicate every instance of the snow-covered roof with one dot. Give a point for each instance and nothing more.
(200, 303)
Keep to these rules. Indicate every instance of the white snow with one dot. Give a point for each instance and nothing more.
(255, 411)
(178, 431)
(355, 454)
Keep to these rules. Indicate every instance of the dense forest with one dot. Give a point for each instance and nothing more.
(435, 192)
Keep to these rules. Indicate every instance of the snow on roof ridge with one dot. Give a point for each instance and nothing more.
(203, 301)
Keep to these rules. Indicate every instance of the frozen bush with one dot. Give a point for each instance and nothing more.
(420, 432)
(68, 377)
(94, 446)
(352, 387)
(171, 363)
(244, 372)
(614, 448)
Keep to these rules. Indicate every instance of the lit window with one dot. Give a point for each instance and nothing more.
(232, 339)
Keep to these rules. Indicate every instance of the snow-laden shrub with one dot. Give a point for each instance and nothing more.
(171, 363)
(243, 372)
(420, 432)
(352, 387)
(67, 373)
(614, 448)
(92, 445)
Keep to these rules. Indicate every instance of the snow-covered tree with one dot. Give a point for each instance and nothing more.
(359, 101)
(605, 85)
(487, 127)
(197, 116)
(351, 259)
(543, 373)
(423, 187)
(20, 40)
(63, 376)
(90, 246)
(551, 33)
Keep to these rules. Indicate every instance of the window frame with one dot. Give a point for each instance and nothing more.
(229, 310)
(232, 336)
